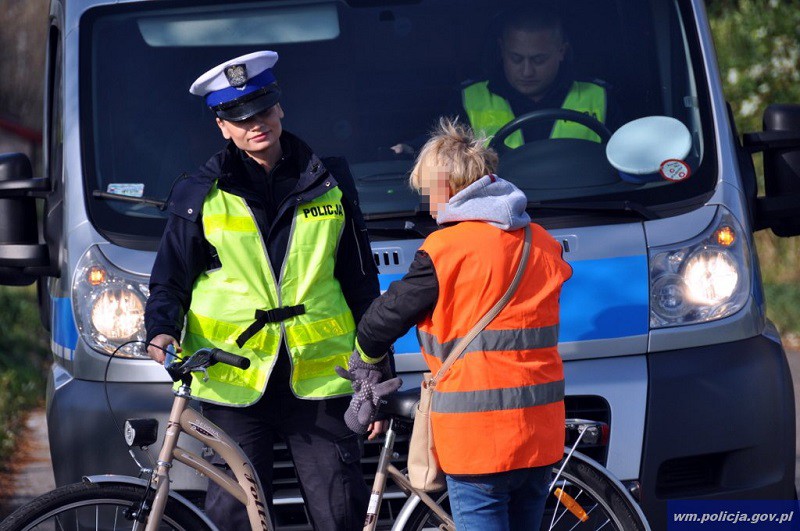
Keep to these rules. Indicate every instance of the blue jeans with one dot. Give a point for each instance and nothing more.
(505, 501)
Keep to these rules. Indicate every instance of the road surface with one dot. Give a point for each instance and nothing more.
(30, 473)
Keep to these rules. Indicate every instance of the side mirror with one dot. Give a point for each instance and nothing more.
(22, 258)
(780, 142)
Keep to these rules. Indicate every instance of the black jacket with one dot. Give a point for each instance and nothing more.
(184, 252)
(405, 303)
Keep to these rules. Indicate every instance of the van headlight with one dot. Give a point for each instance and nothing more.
(703, 279)
(109, 305)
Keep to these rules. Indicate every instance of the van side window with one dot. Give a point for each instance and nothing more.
(54, 123)
(54, 144)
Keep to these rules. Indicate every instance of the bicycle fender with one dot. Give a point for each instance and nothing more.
(405, 512)
(129, 480)
(585, 459)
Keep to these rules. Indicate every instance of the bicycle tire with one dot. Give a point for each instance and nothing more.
(98, 506)
(607, 506)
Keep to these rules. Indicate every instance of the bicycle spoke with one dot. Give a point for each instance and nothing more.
(97, 507)
(604, 524)
(564, 500)
(587, 514)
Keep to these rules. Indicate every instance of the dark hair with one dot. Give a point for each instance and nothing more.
(532, 18)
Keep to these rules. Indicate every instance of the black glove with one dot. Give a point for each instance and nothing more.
(371, 382)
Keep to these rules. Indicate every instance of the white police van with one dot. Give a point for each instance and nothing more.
(663, 327)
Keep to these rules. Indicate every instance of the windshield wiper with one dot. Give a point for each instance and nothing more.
(402, 214)
(623, 206)
(130, 199)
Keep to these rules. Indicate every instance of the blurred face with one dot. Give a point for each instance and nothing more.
(258, 135)
(531, 60)
(434, 186)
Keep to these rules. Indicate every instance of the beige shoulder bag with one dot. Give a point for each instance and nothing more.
(423, 466)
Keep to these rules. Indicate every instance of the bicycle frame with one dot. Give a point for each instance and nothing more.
(247, 487)
(387, 469)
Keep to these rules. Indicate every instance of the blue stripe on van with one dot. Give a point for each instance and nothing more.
(407, 344)
(604, 299)
(65, 332)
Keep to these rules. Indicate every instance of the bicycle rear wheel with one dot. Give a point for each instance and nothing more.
(94, 507)
(606, 506)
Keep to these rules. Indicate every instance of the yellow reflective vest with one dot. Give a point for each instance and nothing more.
(488, 112)
(318, 337)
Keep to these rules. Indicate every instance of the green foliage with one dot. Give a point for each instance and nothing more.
(759, 55)
(782, 307)
(23, 359)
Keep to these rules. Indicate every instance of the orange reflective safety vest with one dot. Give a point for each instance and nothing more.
(500, 407)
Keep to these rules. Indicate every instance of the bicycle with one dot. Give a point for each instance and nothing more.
(585, 495)
(584, 491)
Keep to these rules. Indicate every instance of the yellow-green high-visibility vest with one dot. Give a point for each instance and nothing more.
(488, 112)
(224, 301)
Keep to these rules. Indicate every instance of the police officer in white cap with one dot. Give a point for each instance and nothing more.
(265, 255)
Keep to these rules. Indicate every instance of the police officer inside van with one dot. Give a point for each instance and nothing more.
(265, 254)
(533, 73)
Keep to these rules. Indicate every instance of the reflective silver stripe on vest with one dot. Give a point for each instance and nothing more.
(516, 339)
(498, 399)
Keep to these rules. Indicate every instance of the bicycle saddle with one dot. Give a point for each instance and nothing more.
(401, 403)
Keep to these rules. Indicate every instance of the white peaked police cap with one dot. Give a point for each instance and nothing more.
(240, 87)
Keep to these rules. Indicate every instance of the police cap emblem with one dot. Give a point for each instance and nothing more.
(237, 75)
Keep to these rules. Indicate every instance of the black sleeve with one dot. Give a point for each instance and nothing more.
(404, 304)
(355, 268)
(182, 256)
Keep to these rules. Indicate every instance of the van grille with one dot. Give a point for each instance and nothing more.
(688, 476)
(386, 257)
(590, 407)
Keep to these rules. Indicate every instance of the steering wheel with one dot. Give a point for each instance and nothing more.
(539, 168)
(498, 141)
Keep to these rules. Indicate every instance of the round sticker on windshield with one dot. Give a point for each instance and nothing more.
(674, 170)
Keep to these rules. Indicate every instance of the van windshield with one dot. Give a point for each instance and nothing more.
(361, 76)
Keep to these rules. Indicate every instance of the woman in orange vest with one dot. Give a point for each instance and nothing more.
(497, 415)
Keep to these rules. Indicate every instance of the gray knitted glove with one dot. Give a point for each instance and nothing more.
(371, 382)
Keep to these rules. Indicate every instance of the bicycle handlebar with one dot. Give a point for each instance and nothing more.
(227, 358)
(201, 360)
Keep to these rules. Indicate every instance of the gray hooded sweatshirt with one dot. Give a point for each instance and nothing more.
(490, 199)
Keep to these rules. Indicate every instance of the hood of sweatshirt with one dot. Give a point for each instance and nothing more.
(490, 199)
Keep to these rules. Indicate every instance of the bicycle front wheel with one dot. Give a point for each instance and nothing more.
(588, 500)
(95, 507)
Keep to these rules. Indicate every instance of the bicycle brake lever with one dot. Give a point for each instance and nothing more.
(204, 370)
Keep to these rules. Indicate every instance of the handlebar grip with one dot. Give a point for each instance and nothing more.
(227, 358)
